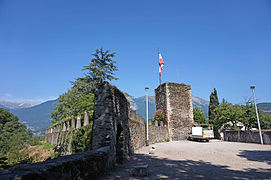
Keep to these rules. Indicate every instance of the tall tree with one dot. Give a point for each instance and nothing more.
(80, 97)
(75, 101)
(199, 116)
(227, 115)
(101, 67)
(214, 103)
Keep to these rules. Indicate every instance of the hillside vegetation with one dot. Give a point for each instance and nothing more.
(17, 143)
(37, 117)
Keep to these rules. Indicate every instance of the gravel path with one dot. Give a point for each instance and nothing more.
(200, 160)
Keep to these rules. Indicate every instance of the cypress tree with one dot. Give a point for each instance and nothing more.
(214, 103)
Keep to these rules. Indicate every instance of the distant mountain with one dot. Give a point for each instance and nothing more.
(139, 104)
(37, 117)
(203, 104)
(266, 107)
(15, 105)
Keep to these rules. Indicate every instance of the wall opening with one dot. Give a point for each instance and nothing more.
(119, 144)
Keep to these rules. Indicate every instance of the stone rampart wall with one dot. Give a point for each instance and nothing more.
(60, 135)
(157, 133)
(138, 134)
(247, 136)
(85, 165)
(111, 122)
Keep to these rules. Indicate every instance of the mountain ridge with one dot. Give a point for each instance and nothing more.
(38, 117)
(15, 105)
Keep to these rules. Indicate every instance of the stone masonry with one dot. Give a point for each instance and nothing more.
(247, 136)
(111, 123)
(60, 135)
(176, 102)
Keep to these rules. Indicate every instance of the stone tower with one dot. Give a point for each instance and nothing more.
(176, 102)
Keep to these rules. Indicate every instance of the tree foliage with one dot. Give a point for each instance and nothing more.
(81, 140)
(101, 67)
(75, 101)
(213, 104)
(13, 138)
(199, 116)
(228, 116)
(80, 97)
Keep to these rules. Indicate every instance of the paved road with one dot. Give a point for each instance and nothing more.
(200, 160)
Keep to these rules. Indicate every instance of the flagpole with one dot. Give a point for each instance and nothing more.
(159, 70)
(160, 79)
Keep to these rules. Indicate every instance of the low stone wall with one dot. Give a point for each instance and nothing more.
(61, 134)
(85, 165)
(247, 136)
(138, 132)
(158, 134)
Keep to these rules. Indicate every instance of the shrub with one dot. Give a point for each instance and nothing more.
(81, 140)
(159, 115)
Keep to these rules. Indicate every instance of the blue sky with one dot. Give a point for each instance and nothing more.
(212, 44)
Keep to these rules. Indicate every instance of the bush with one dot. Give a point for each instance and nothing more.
(159, 115)
(81, 140)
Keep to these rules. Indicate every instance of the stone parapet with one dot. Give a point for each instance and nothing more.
(78, 121)
(157, 133)
(86, 118)
(85, 165)
(247, 136)
(73, 123)
(61, 134)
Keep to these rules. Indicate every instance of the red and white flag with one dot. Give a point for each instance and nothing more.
(161, 63)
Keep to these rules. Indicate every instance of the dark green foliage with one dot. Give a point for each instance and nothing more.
(3, 162)
(80, 97)
(229, 115)
(101, 67)
(81, 140)
(249, 118)
(13, 138)
(77, 100)
(84, 103)
(214, 103)
(199, 116)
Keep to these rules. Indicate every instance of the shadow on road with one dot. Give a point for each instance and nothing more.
(162, 168)
(260, 156)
